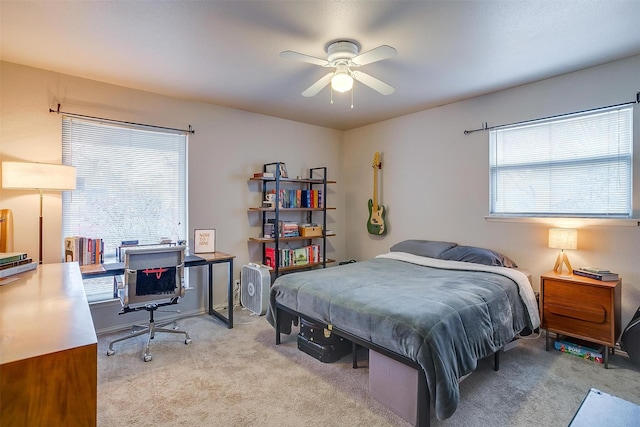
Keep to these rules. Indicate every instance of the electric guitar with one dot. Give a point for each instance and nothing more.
(375, 224)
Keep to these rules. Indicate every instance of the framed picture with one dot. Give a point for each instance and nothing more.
(204, 241)
(283, 171)
(271, 167)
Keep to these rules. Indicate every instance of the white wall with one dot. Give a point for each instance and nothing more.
(434, 179)
(433, 182)
(227, 148)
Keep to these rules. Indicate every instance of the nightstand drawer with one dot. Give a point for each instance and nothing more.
(578, 310)
(590, 314)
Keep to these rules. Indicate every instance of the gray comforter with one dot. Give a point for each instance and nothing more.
(444, 319)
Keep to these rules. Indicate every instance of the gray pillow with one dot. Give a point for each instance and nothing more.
(477, 255)
(428, 248)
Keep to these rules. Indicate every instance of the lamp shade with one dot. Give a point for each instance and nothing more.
(342, 80)
(38, 176)
(563, 238)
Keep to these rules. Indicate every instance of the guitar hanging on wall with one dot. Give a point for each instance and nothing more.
(375, 224)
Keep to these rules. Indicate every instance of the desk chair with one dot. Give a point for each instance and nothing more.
(151, 275)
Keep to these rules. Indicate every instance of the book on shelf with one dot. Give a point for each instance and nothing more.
(17, 269)
(605, 277)
(270, 257)
(263, 175)
(292, 257)
(301, 256)
(288, 199)
(6, 257)
(269, 230)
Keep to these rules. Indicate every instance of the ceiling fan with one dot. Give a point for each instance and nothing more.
(343, 56)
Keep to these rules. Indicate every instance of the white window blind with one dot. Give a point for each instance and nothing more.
(131, 184)
(578, 166)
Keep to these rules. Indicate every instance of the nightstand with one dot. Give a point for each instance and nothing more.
(582, 308)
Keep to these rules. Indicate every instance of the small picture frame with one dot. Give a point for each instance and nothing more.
(204, 241)
(283, 170)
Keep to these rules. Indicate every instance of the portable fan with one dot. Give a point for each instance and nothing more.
(255, 281)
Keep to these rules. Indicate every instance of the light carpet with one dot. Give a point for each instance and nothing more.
(239, 377)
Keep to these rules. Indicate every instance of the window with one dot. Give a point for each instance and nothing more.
(131, 185)
(573, 166)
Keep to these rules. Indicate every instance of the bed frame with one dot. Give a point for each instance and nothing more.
(423, 415)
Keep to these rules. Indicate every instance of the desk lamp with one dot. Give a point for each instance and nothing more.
(38, 176)
(563, 238)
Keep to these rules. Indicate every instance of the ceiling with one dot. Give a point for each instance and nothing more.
(227, 52)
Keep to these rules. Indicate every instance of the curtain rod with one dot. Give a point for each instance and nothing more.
(190, 130)
(484, 125)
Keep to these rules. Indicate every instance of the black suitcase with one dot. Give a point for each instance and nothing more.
(630, 339)
(321, 343)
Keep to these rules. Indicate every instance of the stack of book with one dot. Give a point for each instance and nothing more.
(15, 262)
(596, 273)
(291, 257)
(285, 229)
(83, 250)
(263, 175)
(299, 198)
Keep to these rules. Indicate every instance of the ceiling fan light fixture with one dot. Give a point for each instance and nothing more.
(343, 55)
(341, 81)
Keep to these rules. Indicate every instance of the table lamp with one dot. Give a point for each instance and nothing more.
(38, 176)
(563, 238)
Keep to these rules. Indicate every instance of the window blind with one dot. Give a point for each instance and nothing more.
(578, 166)
(131, 184)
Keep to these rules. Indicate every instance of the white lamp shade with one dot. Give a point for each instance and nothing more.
(341, 80)
(38, 176)
(563, 238)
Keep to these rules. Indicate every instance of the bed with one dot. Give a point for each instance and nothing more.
(437, 306)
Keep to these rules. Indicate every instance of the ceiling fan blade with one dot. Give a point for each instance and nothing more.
(304, 58)
(373, 83)
(318, 86)
(373, 55)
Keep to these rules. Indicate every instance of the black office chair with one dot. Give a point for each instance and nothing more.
(151, 275)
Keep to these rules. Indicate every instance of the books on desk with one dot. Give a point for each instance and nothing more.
(10, 271)
(15, 262)
(13, 259)
(6, 257)
(605, 276)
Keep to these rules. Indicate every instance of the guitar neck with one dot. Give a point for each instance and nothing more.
(375, 188)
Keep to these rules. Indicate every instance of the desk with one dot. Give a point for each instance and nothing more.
(209, 259)
(49, 359)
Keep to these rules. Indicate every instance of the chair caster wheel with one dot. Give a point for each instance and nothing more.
(147, 358)
(110, 352)
(187, 341)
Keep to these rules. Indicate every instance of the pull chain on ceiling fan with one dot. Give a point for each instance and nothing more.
(343, 56)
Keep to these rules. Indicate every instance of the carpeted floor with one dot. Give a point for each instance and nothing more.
(239, 377)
